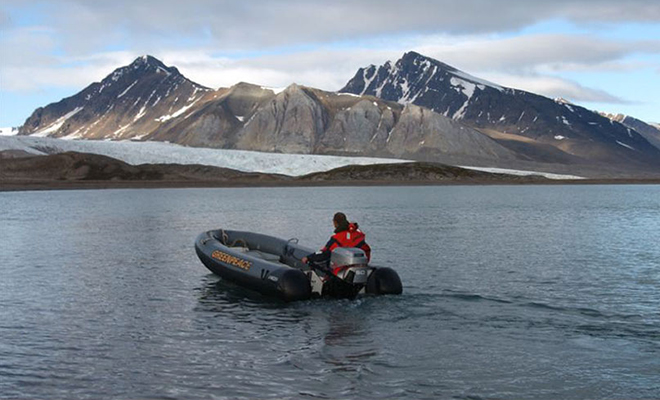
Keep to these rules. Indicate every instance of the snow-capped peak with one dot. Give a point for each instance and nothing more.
(412, 77)
(143, 65)
(147, 60)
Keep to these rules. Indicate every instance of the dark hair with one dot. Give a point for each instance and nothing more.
(341, 220)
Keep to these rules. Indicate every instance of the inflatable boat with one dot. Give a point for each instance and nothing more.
(273, 267)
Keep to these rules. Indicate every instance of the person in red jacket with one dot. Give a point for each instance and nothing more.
(347, 234)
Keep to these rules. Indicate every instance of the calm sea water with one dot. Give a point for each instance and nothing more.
(521, 292)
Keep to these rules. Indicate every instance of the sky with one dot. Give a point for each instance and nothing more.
(601, 54)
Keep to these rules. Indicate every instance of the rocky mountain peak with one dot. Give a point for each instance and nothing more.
(442, 115)
(520, 119)
(244, 86)
(649, 131)
(147, 60)
(412, 61)
(292, 88)
(143, 66)
(418, 79)
(614, 117)
(128, 102)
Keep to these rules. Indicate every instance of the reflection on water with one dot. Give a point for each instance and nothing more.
(509, 292)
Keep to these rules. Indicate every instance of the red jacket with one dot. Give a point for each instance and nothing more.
(353, 237)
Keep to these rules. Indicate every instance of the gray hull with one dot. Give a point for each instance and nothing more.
(272, 266)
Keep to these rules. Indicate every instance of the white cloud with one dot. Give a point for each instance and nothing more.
(27, 45)
(5, 20)
(60, 72)
(552, 86)
(232, 25)
(319, 43)
(331, 69)
(528, 53)
(530, 63)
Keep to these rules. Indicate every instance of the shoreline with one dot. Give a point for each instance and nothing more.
(19, 185)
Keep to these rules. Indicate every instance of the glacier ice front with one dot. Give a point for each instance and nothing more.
(136, 153)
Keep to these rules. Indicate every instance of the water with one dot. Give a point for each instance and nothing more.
(520, 292)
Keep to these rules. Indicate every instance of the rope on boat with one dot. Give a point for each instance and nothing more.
(240, 240)
(223, 237)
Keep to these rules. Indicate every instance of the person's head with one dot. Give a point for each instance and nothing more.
(340, 220)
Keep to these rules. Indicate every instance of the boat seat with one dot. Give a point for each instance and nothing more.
(264, 256)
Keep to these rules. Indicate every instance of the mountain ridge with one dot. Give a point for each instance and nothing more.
(124, 104)
(649, 131)
(522, 121)
(401, 111)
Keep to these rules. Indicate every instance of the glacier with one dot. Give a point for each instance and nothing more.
(136, 152)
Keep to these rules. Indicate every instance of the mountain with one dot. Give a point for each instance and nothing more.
(130, 102)
(147, 100)
(417, 109)
(534, 126)
(650, 131)
(305, 120)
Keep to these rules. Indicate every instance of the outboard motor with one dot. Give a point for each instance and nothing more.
(346, 275)
(350, 265)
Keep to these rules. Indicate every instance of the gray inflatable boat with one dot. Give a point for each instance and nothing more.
(273, 267)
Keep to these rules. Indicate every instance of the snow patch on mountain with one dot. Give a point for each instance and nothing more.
(474, 79)
(178, 113)
(127, 89)
(467, 88)
(625, 145)
(347, 94)
(464, 86)
(57, 124)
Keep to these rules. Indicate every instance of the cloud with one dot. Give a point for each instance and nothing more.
(527, 63)
(5, 20)
(553, 87)
(60, 72)
(234, 25)
(522, 54)
(331, 69)
(71, 43)
(29, 45)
